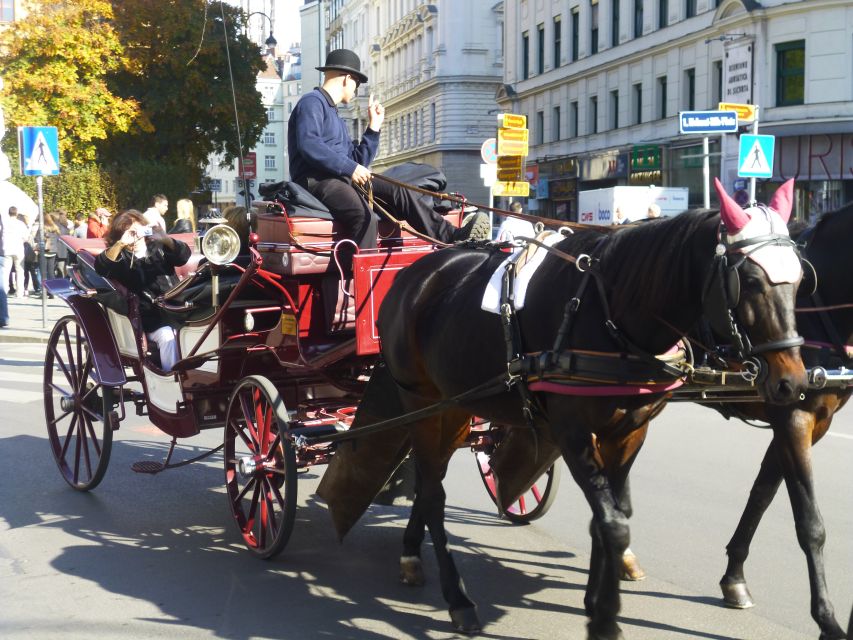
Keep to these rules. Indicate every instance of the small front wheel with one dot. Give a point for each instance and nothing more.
(77, 407)
(260, 466)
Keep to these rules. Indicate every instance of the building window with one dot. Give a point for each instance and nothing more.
(690, 89)
(717, 96)
(790, 73)
(558, 37)
(525, 56)
(661, 97)
(540, 127)
(689, 8)
(573, 119)
(7, 10)
(614, 23)
(540, 49)
(432, 122)
(614, 109)
(593, 114)
(593, 34)
(269, 163)
(416, 131)
(555, 124)
(576, 33)
(270, 114)
(663, 13)
(637, 103)
(638, 18)
(269, 138)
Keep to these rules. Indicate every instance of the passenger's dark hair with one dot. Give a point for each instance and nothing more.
(121, 223)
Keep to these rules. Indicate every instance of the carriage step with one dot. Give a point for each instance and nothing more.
(147, 466)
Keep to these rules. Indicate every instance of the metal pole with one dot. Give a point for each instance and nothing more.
(706, 175)
(42, 259)
(491, 206)
(752, 180)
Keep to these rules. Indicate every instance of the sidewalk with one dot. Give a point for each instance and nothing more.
(25, 324)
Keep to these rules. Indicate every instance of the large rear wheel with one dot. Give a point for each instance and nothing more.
(77, 407)
(260, 466)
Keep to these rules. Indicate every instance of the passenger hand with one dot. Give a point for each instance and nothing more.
(376, 112)
(361, 175)
(129, 237)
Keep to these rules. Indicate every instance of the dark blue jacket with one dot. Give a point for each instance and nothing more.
(319, 142)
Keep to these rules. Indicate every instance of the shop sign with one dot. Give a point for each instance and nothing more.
(645, 157)
(737, 72)
(563, 189)
(815, 157)
(604, 166)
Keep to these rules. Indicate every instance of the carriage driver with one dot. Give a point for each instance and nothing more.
(143, 258)
(327, 162)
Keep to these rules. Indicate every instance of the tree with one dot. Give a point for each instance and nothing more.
(55, 65)
(179, 72)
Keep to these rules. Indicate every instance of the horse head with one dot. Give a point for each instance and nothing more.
(757, 275)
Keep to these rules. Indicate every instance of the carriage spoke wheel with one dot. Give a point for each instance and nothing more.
(77, 407)
(260, 466)
(533, 503)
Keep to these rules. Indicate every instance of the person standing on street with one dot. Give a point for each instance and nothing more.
(15, 233)
(98, 223)
(154, 214)
(185, 222)
(326, 161)
(4, 305)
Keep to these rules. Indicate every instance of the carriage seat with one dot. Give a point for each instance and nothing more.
(93, 246)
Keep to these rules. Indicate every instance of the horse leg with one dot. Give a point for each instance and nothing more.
(793, 440)
(733, 583)
(611, 527)
(411, 567)
(434, 442)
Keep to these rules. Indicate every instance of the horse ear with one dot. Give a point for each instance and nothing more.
(783, 200)
(734, 217)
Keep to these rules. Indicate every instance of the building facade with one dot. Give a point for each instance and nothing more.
(602, 83)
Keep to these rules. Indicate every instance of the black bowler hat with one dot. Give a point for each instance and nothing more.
(344, 60)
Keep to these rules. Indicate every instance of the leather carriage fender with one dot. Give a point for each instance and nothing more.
(105, 355)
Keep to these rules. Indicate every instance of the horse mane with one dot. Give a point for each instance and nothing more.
(645, 265)
(797, 228)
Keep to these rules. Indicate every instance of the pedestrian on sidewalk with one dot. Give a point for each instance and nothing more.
(98, 223)
(31, 258)
(4, 306)
(15, 233)
(80, 227)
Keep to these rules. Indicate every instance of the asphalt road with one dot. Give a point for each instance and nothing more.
(157, 556)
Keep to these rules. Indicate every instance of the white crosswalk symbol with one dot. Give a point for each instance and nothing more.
(755, 161)
(41, 158)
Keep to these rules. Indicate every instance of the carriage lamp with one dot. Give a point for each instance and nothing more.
(220, 244)
(248, 321)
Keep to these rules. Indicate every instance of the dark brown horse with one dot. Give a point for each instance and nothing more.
(798, 426)
(646, 290)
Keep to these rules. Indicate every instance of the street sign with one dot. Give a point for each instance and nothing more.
(38, 149)
(755, 157)
(510, 175)
(489, 151)
(249, 166)
(745, 112)
(513, 142)
(512, 121)
(707, 121)
(510, 162)
(515, 189)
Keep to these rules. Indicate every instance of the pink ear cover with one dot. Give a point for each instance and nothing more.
(783, 200)
(734, 217)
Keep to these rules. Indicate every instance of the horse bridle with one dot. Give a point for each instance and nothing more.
(721, 294)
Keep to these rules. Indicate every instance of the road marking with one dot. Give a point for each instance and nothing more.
(17, 396)
(14, 376)
(846, 436)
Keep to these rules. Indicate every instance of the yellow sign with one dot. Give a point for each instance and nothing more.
(288, 324)
(519, 189)
(512, 121)
(512, 148)
(510, 175)
(745, 112)
(510, 162)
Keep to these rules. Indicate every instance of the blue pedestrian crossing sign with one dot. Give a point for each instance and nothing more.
(38, 149)
(755, 159)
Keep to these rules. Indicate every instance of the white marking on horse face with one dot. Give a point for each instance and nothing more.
(780, 263)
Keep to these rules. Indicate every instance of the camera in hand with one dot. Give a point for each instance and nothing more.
(145, 232)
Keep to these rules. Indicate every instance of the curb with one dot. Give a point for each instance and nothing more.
(22, 339)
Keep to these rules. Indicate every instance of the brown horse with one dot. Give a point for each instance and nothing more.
(630, 293)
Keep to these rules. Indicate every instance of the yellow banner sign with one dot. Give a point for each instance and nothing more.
(510, 175)
(518, 189)
(745, 112)
(510, 162)
(516, 135)
(512, 121)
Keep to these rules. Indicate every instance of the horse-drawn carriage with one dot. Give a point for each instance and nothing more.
(278, 347)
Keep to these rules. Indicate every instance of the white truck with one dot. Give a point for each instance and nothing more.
(599, 206)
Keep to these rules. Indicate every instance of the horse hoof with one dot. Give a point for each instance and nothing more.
(631, 569)
(412, 571)
(609, 631)
(465, 620)
(736, 595)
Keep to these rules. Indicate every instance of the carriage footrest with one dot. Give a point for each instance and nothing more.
(147, 466)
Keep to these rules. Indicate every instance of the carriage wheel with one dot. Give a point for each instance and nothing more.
(260, 466)
(531, 505)
(77, 407)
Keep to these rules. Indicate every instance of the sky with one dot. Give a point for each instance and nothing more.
(287, 25)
